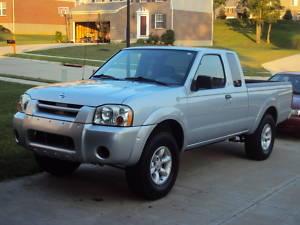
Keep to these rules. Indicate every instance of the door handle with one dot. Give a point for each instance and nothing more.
(228, 97)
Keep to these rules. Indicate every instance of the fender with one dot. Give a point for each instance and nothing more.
(150, 124)
(266, 105)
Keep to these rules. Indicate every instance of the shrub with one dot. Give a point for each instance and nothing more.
(4, 30)
(222, 14)
(58, 37)
(140, 41)
(168, 38)
(153, 39)
(296, 43)
(288, 15)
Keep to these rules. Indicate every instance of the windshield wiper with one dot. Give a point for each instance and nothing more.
(146, 80)
(104, 76)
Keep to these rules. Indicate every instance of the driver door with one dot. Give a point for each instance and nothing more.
(208, 104)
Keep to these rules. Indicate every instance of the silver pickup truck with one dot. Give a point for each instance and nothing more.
(144, 107)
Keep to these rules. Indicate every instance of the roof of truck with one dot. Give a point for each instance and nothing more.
(181, 48)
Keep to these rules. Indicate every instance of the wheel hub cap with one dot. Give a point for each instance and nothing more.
(161, 165)
(266, 137)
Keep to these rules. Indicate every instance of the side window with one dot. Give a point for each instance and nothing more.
(210, 74)
(235, 70)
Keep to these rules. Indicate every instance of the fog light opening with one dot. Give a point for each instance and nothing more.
(103, 153)
(17, 137)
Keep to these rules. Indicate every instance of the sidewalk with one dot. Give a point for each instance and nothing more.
(34, 47)
(287, 64)
(20, 81)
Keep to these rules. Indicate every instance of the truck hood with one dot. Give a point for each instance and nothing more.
(92, 92)
(296, 102)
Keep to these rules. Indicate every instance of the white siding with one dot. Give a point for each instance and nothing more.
(194, 5)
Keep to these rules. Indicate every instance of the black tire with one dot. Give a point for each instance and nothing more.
(253, 144)
(139, 177)
(56, 167)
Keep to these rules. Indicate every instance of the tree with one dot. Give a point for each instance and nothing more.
(264, 11)
(288, 15)
(217, 4)
(272, 15)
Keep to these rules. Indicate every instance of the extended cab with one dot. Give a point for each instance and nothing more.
(144, 107)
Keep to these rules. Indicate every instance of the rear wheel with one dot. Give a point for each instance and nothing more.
(156, 172)
(56, 167)
(259, 145)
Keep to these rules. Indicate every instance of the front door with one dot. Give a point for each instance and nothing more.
(143, 26)
(208, 108)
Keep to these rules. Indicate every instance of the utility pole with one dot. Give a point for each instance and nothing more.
(128, 25)
(13, 19)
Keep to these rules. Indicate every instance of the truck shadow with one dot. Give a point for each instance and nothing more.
(105, 184)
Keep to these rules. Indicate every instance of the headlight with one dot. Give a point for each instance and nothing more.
(23, 103)
(295, 112)
(114, 115)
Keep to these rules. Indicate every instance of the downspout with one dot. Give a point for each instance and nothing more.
(172, 15)
(212, 23)
(13, 19)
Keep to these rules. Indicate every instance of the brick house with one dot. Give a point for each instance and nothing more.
(192, 20)
(35, 16)
(230, 9)
(294, 6)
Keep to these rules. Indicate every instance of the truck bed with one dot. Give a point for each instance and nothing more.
(278, 93)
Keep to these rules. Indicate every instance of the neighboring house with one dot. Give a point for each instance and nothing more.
(294, 6)
(230, 9)
(102, 20)
(35, 16)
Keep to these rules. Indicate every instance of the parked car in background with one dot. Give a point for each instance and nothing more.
(146, 106)
(292, 124)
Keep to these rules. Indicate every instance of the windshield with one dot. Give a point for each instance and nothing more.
(169, 67)
(294, 79)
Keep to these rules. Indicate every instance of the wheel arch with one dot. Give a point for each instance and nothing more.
(271, 110)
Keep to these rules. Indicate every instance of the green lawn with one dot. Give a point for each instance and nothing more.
(241, 38)
(23, 39)
(233, 35)
(14, 160)
(94, 52)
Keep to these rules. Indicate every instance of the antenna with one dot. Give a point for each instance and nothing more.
(84, 61)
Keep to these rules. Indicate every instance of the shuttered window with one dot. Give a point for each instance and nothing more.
(159, 21)
(2, 8)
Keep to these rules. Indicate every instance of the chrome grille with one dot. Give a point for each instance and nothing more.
(61, 109)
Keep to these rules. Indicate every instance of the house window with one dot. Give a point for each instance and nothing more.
(2, 8)
(294, 2)
(160, 21)
(63, 11)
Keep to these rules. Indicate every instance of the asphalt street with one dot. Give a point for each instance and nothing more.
(217, 185)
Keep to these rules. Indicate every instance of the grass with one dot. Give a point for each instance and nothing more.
(93, 52)
(241, 38)
(14, 160)
(23, 39)
(230, 34)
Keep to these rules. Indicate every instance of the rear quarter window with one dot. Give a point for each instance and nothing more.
(235, 70)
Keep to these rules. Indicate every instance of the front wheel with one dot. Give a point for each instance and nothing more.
(259, 145)
(156, 172)
(56, 167)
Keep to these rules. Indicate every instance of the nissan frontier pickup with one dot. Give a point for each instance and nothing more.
(144, 107)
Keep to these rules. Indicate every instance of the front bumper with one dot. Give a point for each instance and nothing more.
(125, 145)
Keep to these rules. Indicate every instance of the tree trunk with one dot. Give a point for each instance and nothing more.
(269, 34)
(258, 32)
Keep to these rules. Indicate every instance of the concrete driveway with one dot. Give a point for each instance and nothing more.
(217, 186)
(290, 63)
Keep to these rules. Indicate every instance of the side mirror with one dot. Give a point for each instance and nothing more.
(202, 82)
